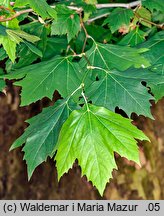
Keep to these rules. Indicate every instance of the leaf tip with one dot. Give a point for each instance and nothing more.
(11, 148)
(59, 176)
(30, 172)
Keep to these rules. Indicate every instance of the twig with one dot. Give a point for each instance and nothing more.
(141, 19)
(16, 15)
(78, 9)
(85, 31)
(85, 99)
(31, 10)
(112, 5)
(98, 17)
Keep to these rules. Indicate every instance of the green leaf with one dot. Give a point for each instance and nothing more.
(141, 15)
(34, 49)
(13, 38)
(9, 46)
(42, 79)
(3, 54)
(54, 46)
(26, 57)
(123, 90)
(68, 22)
(153, 4)
(3, 30)
(9, 43)
(22, 35)
(158, 90)
(111, 56)
(41, 136)
(155, 45)
(2, 84)
(158, 17)
(37, 29)
(4, 2)
(41, 32)
(156, 57)
(40, 7)
(92, 136)
(133, 38)
(118, 18)
(98, 33)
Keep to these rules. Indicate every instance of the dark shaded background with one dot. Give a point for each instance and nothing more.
(129, 182)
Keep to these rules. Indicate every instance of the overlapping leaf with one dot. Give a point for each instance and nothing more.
(68, 22)
(123, 90)
(41, 136)
(11, 37)
(153, 4)
(19, 35)
(156, 56)
(119, 17)
(111, 56)
(3, 54)
(133, 38)
(2, 82)
(143, 16)
(92, 135)
(9, 46)
(42, 79)
(113, 76)
(8, 43)
(118, 89)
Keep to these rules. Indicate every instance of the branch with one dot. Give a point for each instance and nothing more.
(78, 9)
(125, 5)
(98, 6)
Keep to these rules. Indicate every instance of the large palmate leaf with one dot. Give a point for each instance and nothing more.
(114, 56)
(156, 56)
(41, 7)
(68, 22)
(116, 88)
(42, 134)
(123, 90)
(118, 18)
(42, 79)
(92, 135)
